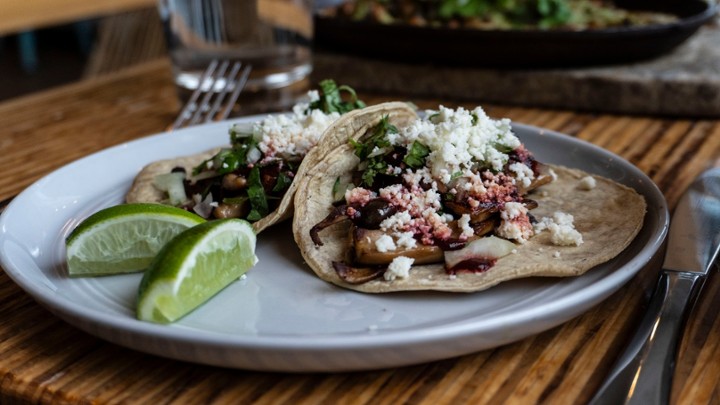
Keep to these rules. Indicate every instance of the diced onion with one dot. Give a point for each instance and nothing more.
(489, 247)
(172, 183)
(205, 207)
(253, 155)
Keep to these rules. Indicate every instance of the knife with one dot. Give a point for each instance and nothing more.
(643, 373)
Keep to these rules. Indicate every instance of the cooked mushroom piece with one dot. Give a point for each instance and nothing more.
(366, 251)
(234, 182)
(224, 211)
(357, 275)
(335, 216)
(478, 214)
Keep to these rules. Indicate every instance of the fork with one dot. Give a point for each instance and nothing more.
(213, 99)
(215, 84)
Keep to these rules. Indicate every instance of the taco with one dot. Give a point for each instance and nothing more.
(255, 177)
(452, 202)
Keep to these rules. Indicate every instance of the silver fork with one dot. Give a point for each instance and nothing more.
(215, 84)
(213, 92)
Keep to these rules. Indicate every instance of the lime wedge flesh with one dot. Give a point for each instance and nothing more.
(124, 238)
(193, 267)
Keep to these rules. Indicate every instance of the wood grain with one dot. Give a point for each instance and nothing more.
(44, 360)
(20, 15)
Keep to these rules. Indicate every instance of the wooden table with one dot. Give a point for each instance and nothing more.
(45, 360)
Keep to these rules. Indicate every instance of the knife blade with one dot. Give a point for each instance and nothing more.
(643, 372)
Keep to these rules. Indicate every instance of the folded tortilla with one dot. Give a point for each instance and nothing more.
(608, 216)
(143, 188)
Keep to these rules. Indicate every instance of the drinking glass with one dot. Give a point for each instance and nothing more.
(274, 36)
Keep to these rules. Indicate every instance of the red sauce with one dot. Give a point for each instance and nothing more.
(474, 265)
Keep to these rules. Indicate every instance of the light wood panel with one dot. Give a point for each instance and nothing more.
(21, 15)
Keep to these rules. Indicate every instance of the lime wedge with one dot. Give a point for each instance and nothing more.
(193, 267)
(124, 238)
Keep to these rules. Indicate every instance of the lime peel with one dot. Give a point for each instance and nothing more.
(124, 238)
(193, 267)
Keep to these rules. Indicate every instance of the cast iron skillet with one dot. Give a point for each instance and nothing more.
(519, 48)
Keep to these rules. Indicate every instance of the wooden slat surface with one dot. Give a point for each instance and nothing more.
(21, 15)
(44, 360)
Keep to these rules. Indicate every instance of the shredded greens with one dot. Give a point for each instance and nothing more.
(415, 157)
(331, 99)
(256, 195)
(259, 179)
(376, 149)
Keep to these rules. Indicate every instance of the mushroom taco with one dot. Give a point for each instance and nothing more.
(255, 177)
(453, 202)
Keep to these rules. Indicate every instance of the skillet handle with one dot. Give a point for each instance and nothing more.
(643, 373)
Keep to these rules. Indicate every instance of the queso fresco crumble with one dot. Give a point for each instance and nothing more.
(456, 164)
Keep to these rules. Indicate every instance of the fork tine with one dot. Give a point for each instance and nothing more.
(191, 103)
(195, 112)
(239, 85)
(230, 82)
(209, 92)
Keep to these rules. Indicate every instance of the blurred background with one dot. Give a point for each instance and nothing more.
(74, 43)
(43, 45)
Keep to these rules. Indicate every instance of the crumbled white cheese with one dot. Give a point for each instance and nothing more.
(405, 240)
(385, 243)
(587, 183)
(514, 224)
(292, 135)
(513, 210)
(556, 254)
(396, 221)
(398, 268)
(562, 230)
(464, 224)
(523, 174)
(459, 139)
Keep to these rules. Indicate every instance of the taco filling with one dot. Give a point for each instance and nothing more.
(451, 188)
(250, 178)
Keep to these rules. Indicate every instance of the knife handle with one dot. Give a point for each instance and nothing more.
(643, 373)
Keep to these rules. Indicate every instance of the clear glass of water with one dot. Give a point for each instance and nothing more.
(274, 36)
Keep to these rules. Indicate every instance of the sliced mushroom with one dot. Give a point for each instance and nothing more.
(335, 216)
(366, 251)
(357, 275)
(478, 214)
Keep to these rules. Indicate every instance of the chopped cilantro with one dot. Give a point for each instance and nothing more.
(282, 183)
(376, 165)
(229, 159)
(416, 155)
(256, 195)
(331, 98)
(378, 139)
(456, 175)
(235, 200)
(502, 148)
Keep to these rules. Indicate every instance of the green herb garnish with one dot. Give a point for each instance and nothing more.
(331, 98)
(283, 182)
(378, 139)
(415, 157)
(256, 195)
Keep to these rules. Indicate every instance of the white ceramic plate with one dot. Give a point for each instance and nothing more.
(282, 317)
